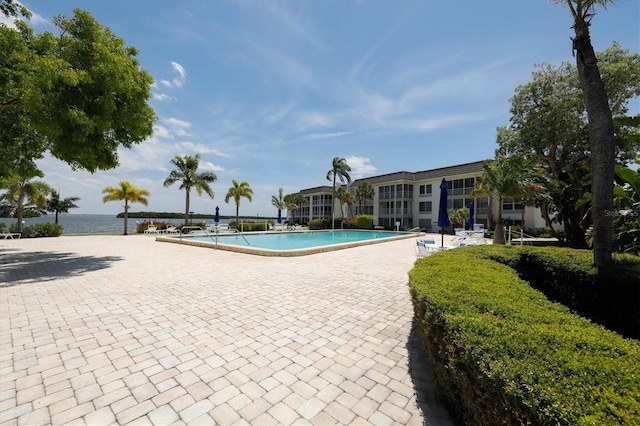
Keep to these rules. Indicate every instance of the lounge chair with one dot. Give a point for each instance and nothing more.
(11, 236)
(151, 230)
(172, 230)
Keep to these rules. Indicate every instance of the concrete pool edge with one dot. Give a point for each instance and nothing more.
(186, 240)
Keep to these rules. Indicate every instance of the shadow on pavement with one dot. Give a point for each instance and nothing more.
(430, 401)
(18, 268)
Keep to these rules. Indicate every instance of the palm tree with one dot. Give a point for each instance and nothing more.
(501, 178)
(364, 193)
(25, 194)
(339, 170)
(293, 202)
(128, 193)
(56, 205)
(237, 191)
(186, 173)
(279, 201)
(342, 194)
(601, 132)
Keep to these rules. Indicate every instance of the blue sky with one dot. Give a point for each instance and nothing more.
(271, 91)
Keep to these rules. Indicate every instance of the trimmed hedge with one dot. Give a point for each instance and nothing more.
(610, 297)
(504, 354)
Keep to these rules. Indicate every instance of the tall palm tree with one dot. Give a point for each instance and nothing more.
(24, 194)
(56, 205)
(601, 132)
(279, 201)
(339, 170)
(186, 172)
(501, 178)
(128, 193)
(238, 191)
(364, 193)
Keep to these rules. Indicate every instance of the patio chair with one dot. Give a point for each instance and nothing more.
(151, 230)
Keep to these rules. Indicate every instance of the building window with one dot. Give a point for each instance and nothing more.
(426, 206)
(426, 190)
(510, 204)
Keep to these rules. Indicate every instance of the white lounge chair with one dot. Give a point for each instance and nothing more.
(151, 230)
(171, 230)
(11, 236)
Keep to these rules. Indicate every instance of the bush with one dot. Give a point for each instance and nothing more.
(609, 297)
(41, 230)
(315, 224)
(364, 221)
(504, 354)
(349, 224)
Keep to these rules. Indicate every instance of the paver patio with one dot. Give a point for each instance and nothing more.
(127, 330)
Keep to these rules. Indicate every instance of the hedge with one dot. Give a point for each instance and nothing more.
(505, 354)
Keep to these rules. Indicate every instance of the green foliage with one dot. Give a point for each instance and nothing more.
(83, 88)
(549, 121)
(315, 224)
(504, 354)
(609, 296)
(41, 230)
(364, 221)
(349, 224)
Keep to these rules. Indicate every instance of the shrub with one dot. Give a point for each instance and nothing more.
(364, 221)
(41, 230)
(315, 224)
(349, 224)
(504, 354)
(610, 297)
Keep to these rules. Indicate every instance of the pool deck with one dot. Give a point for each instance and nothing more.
(126, 330)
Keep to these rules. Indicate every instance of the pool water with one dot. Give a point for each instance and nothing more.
(288, 243)
(297, 240)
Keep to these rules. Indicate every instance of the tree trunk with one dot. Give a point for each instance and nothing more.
(498, 235)
(186, 209)
(126, 216)
(602, 143)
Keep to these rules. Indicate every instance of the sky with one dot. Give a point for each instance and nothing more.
(269, 92)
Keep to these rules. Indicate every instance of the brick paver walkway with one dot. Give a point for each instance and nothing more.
(126, 330)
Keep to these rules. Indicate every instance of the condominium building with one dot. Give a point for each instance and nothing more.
(406, 200)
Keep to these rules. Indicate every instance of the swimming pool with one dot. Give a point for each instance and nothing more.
(289, 243)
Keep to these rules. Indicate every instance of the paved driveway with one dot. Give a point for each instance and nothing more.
(119, 330)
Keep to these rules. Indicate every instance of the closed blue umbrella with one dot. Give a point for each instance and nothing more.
(471, 214)
(216, 219)
(279, 216)
(443, 214)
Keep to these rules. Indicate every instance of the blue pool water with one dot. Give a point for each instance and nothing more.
(297, 240)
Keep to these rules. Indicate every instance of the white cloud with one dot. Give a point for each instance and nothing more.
(209, 166)
(176, 82)
(317, 136)
(360, 167)
(162, 97)
(199, 148)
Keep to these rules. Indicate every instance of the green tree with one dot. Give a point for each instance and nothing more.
(601, 131)
(23, 194)
(186, 172)
(364, 193)
(501, 178)
(548, 123)
(278, 201)
(294, 201)
(128, 193)
(459, 216)
(57, 206)
(339, 170)
(80, 95)
(342, 195)
(238, 191)
(10, 8)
